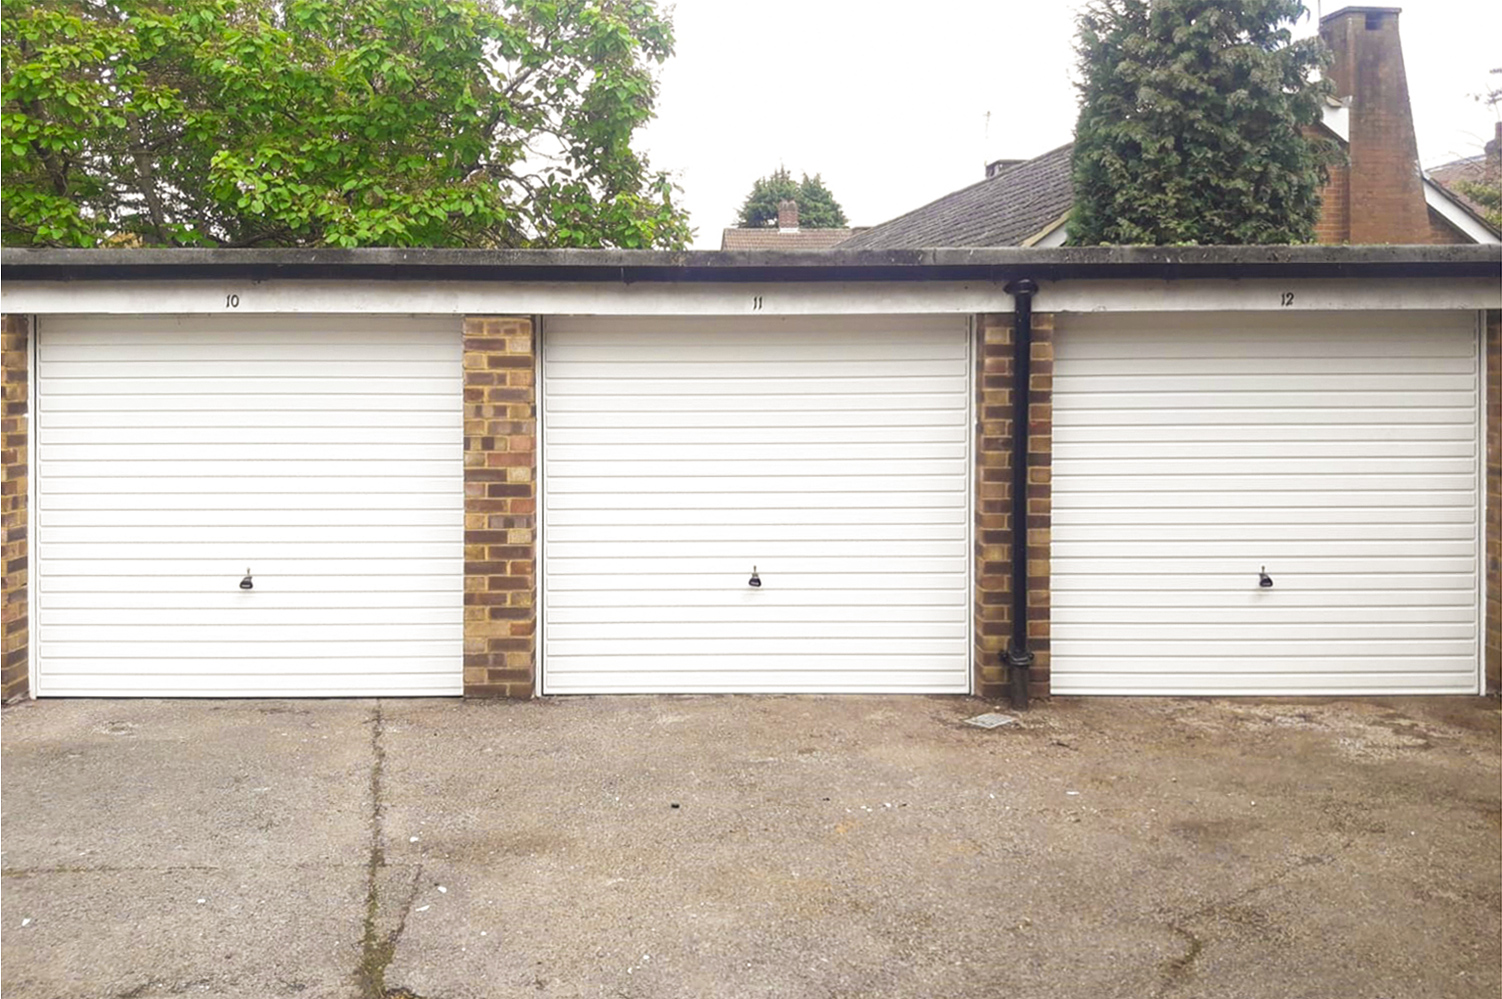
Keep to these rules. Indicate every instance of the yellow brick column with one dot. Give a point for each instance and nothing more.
(500, 508)
(1040, 500)
(993, 493)
(994, 437)
(15, 630)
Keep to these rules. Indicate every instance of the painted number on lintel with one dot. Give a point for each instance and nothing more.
(756, 303)
(231, 301)
(1287, 299)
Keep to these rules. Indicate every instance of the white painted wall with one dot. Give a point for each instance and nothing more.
(862, 298)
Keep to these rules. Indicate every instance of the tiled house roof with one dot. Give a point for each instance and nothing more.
(1004, 210)
(769, 238)
(1473, 168)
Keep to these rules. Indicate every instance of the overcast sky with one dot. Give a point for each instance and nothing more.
(890, 101)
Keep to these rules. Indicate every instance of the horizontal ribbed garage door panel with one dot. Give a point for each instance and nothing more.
(114, 578)
(1339, 451)
(1311, 419)
(689, 408)
(292, 438)
(214, 670)
(700, 503)
(705, 454)
(1314, 400)
(331, 525)
(197, 452)
(774, 487)
(247, 483)
(791, 675)
(1138, 371)
(865, 530)
(169, 613)
(1151, 566)
(1254, 435)
(801, 601)
(1254, 678)
(325, 424)
(108, 604)
(305, 505)
(778, 568)
(1137, 605)
(272, 571)
(646, 388)
(832, 455)
(270, 551)
(792, 438)
(1438, 610)
(728, 612)
(1318, 499)
(324, 454)
(1380, 578)
(1392, 527)
(768, 421)
(382, 654)
(1271, 484)
(655, 579)
(767, 471)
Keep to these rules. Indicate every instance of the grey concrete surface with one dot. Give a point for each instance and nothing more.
(821, 846)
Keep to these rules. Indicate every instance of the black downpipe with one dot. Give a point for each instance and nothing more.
(1018, 657)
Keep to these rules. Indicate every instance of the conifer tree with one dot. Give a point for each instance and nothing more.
(817, 208)
(1194, 126)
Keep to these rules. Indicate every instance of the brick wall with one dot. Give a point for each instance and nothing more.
(500, 508)
(1040, 499)
(993, 501)
(1493, 560)
(1334, 225)
(14, 678)
(1442, 233)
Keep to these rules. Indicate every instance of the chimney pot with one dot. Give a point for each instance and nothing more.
(787, 216)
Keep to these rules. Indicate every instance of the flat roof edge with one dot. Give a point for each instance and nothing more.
(630, 266)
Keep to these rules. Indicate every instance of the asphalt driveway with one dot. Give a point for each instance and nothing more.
(749, 847)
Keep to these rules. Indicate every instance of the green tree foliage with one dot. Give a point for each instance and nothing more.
(1192, 124)
(1486, 192)
(817, 208)
(332, 123)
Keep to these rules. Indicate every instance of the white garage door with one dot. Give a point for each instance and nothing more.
(1339, 451)
(323, 455)
(830, 456)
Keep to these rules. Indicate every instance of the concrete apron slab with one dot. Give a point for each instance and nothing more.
(820, 846)
(156, 847)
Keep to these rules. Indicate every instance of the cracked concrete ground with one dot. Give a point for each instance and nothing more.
(750, 847)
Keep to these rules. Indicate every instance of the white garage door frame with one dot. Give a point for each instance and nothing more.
(445, 682)
(1477, 475)
(963, 321)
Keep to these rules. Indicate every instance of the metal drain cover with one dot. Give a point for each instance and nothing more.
(990, 720)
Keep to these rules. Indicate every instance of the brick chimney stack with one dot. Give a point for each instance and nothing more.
(1386, 196)
(997, 166)
(787, 216)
